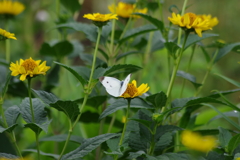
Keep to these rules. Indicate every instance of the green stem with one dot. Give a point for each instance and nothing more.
(180, 30)
(67, 140)
(30, 99)
(38, 146)
(207, 73)
(57, 7)
(87, 93)
(188, 67)
(2, 113)
(111, 123)
(148, 49)
(152, 147)
(15, 144)
(7, 44)
(124, 127)
(160, 10)
(175, 69)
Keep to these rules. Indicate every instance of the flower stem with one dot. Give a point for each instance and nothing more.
(111, 123)
(7, 44)
(124, 127)
(30, 99)
(38, 146)
(152, 147)
(87, 93)
(188, 67)
(182, 13)
(175, 69)
(207, 73)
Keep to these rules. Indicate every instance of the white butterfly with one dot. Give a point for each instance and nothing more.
(114, 86)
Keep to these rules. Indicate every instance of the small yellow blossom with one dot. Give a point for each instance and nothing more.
(100, 17)
(9, 7)
(124, 119)
(132, 90)
(126, 10)
(28, 67)
(193, 22)
(5, 35)
(238, 158)
(195, 141)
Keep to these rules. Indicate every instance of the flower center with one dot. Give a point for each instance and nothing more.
(29, 65)
(192, 17)
(131, 90)
(100, 16)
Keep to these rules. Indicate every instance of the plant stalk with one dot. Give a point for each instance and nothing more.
(30, 99)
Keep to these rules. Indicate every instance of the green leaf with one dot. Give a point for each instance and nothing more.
(146, 123)
(225, 117)
(137, 31)
(88, 145)
(164, 141)
(193, 38)
(120, 56)
(189, 77)
(79, 77)
(6, 83)
(217, 94)
(134, 155)
(4, 62)
(40, 114)
(70, 108)
(72, 5)
(207, 57)
(158, 100)
(122, 103)
(171, 47)
(58, 50)
(12, 114)
(38, 128)
(173, 156)
(233, 143)
(9, 156)
(8, 129)
(46, 97)
(225, 50)
(224, 137)
(54, 156)
(233, 114)
(62, 138)
(229, 80)
(113, 144)
(154, 21)
(93, 101)
(121, 68)
(52, 78)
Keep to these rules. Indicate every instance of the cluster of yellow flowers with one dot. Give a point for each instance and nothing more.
(197, 23)
(195, 141)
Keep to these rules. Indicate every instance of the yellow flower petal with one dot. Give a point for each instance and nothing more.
(132, 91)
(6, 35)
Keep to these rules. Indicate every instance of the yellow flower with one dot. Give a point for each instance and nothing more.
(197, 142)
(100, 17)
(5, 35)
(124, 119)
(193, 22)
(238, 158)
(125, 10)
(9, 7)
(28, 67)
(132, 90)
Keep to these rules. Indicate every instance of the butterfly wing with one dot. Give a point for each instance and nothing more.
(125, 84)
(112, 85)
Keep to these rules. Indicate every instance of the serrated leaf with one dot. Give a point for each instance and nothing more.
(62, 138)
(173, 156)
(172, 47)
(146, 123)
(121, 68)
(120, 56)
(158, 100)
(95, 101)
(137, 31)
(163, 141)
(193, 38)
(113, 144)
(46, 97)
(217, 94)
(9, 156)
(189, 77)
(229, 80)
(11, 115)
(159, 24)
(40, 114)
(79, 77)
(225, 50)
(161, 130)
(224, 137)
(233, 143)
(55, 156)
(70, 108)
(134, 155)
(38, 128)
(122, 103)
(8, 129)
(88, 145)
(72, 5)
